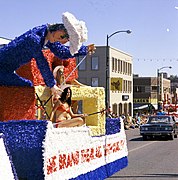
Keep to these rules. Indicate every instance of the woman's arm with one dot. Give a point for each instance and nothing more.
(76, 115)
(56, 105)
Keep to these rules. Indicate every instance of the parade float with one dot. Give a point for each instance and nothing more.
(32, 148)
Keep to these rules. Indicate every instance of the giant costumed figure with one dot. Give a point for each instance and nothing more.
(30, 44)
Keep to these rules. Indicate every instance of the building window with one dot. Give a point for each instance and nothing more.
(120, 109)
(124, 89)
(94, 63)
(124, 67)
(114, 107)
(113, 65)
(94, 82)
(130, 86)
(139, 89)
(121, 68)
(82, 66)
(154, 88)
(119, 65)
(130, 69)
(147, 89)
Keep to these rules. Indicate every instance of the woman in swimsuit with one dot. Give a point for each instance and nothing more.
(63, 111)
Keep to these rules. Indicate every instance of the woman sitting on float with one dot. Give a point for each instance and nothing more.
(62, 110)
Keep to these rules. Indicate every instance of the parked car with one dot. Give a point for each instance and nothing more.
(159, 125)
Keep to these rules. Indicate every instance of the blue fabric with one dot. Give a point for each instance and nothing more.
(20, 51)
(112, 125)
(24, 141)
(63, 53)
(25, 47)
(104, 171)
(160, 113)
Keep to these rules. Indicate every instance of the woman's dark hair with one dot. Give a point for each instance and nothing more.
(64, 94)
(56, 27)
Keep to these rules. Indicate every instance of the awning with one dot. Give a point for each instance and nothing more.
(4, 41)
(141, 107)
(155, 106)
(145, 106)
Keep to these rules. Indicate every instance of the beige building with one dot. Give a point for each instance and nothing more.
(150, 90)
(92, 72)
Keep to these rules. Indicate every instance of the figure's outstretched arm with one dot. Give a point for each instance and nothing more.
(63, 52)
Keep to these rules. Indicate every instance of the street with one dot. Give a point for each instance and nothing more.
(149, 160)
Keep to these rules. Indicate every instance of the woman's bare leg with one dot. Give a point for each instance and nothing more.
(72, 122)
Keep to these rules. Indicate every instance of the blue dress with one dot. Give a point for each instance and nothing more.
(25, 47)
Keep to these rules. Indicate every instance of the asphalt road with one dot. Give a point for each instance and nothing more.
(149, 160)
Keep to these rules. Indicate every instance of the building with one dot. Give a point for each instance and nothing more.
(174, 88)
(92, 72)
(150, 90)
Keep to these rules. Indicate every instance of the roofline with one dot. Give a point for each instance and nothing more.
(6, 38)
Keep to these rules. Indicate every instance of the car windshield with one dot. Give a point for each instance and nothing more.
(163, 119)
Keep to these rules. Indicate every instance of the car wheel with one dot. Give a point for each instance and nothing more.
(144, 137)
(171, 137)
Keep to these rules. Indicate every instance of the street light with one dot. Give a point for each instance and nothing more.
(158, 82)
(107, 64)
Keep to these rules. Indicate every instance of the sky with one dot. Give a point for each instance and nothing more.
(153, 43)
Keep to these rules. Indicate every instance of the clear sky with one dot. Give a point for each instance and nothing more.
(153, 42)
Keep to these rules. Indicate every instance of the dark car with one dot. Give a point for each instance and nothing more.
(159, 125)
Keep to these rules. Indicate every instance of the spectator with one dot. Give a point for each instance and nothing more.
(160, 112)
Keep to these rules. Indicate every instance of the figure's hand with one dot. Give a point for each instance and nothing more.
(56, 90)
(103, 111)
(91, 49)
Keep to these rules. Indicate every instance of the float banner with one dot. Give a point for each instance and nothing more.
(71, 152)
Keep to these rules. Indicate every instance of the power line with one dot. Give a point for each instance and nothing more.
(156, 59)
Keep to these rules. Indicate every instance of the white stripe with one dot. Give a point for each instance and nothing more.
(142, 146)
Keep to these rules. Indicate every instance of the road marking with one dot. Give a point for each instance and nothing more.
(142, 146)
